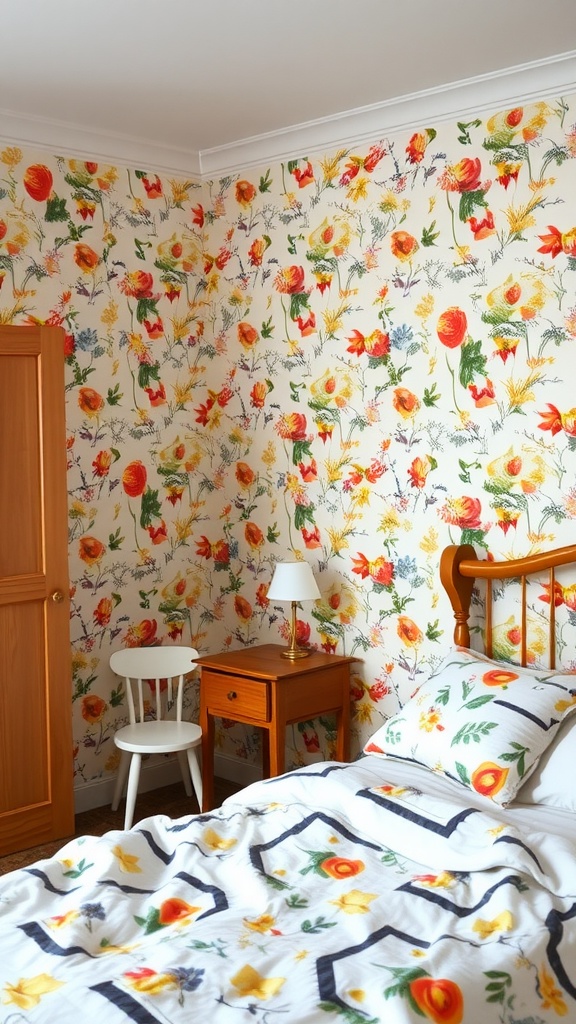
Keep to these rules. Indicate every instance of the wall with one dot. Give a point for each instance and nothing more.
(354, 359)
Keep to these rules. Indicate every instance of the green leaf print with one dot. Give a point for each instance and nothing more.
(474, 732)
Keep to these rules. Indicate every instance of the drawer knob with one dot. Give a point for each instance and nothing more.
(232, 695)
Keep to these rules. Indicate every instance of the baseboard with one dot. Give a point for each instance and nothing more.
(100, 792)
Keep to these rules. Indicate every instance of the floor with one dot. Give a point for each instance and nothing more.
(170, 800)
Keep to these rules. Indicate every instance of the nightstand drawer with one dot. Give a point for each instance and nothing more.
(229, 696)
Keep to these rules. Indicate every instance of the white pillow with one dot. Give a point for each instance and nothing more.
(553, 782)
(480, 722)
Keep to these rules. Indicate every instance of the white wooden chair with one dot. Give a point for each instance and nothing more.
(154, 681)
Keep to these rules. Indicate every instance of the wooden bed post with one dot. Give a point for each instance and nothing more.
(459, 588)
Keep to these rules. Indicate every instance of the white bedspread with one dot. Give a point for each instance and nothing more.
(335, 893)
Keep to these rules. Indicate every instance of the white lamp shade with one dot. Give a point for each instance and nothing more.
(293, 581)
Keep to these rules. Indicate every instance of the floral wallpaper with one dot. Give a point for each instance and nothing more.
(354, 359)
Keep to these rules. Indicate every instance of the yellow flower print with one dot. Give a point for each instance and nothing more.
(562, 705)
(249, 983)
(503, 923)
(550, 995)
(216, 842)
(430, 719)
(262, 924)
(128, 862)
(355, 901)
(357, 994)
(146, 980)
(61, 920)
(27, 993)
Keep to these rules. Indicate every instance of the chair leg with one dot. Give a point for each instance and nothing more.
(195, 774)
(185, 771)
(120, 779)
(133, 776)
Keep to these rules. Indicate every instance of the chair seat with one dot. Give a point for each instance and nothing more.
(158, 737)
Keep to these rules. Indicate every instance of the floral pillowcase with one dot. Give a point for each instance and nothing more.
(482, 723)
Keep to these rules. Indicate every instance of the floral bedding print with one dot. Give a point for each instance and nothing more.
(402, 909)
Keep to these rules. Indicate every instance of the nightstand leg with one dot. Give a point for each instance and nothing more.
(277, 736)
(207, 726)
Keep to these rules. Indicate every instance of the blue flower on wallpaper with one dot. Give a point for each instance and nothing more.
(401, 336)
(87, 340)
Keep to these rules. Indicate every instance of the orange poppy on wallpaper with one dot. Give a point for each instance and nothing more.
(243, 608)
(463, 176)
(292, 427)
(452, 327)
(101, 464)
(408, 631)
(134, 479)
(247, 335)
(290, 280)
(245, 192)
(340, 867)
(245, 475)
(254, 536)
(489, 778)
(90, 401)
(85, 257)
(93, 708)
(91, 550)
(103, 611)
(439, 999)
(138, 284)
(142, 634)
(38, 182)
(403, 245)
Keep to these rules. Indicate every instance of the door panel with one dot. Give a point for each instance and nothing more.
(36, 791)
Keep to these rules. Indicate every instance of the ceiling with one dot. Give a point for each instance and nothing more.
(194, 84)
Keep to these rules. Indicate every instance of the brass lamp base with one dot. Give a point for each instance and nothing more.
(294, 651)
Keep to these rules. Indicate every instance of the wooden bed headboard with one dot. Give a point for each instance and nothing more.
(460, 567)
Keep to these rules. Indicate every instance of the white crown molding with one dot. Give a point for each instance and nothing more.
(524, 83)
(554, 76)
(75, 141)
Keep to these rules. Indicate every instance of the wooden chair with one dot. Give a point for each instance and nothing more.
(154, 681)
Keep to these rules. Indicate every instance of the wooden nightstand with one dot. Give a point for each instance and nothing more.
(260, 687)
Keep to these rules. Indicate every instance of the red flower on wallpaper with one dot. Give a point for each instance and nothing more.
(379, 570)
(452, 327)
(38, 182)
(142, 634)
(137, 285)
(134, 478)
(463, 512)
(102, 463)
(103, 611)
(556, 242)
(292, 426)
(245, 192)
(85, 257)
(93, 708)
(555, 421)
(91, 550)
(463, 176)
(290, 280)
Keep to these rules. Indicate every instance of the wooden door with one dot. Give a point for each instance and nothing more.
(36, 779)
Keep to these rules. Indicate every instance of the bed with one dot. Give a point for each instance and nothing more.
(433, 879)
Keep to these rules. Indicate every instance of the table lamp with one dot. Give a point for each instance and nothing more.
(294, 582)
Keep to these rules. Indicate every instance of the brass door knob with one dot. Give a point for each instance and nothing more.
(57, 596)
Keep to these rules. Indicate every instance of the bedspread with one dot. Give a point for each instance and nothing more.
(328, 894)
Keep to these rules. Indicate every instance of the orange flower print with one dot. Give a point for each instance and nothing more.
(340, 867)
(489, 778)
(410, 634)
(258, 394)
(403, 245)
(158, 534)
(379, 571)
(463, 176)
(142, 634)
(463, 512)
(85, 257)
(555, 421)
(257, 250)
(405, 402)
(416, 148)
(254, 536)
(103, 611)
(303, 175)
(292, 426)
(556, 242)
(290, 280)
(102, 463)
(243, 608)
(418, 471)
(90, 401)
(376, 345)
(439, 999)
(482, 228)
(483, 396)
(499, 677)
(91, 550)
(153, 187)
(137, 285)
(452, 327)
(311, 538)
(38, 182)
(134, 479)
(245, 193)
(173, 910)
(93, 708)
(245, 475)
(247, 335)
